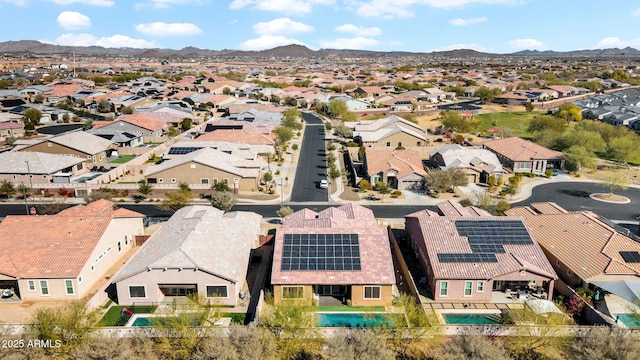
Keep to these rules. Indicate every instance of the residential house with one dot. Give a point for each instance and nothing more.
(337, 255)
(65, 256)
(228, 124)
(389, 132)
(238, 136)
(522, 155)
(11, 125)
(467, 254)
(400, 169)
(122, 138)
(92, 148)
(207, 166)
(138, 124)
(585, 249)
(199, 250)
(32, 168)
(478, 164)
(258, 116)
(352, 104)
(241, 150)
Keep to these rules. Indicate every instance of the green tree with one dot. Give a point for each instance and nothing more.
(451, 120)
(87, 124)
(577, 156)
(359, 344)
(290, 119)
(96, 195)
(127, 110)
(33, 115)
(175, 200)
(221, 186)
(337, 107)
(283, 134)
(349, 116)
(588, 139)
(463, 347)
(486, 94)
(5, 84)
(445, 180)
(458, 89)
(538, 336)
(615, 179)
(172, 131)
(223, 200)
(603, 342)
(334, 172)
(7, 189)
(38, 99)
(544, 122)
(382, 187)
(528, 107)
(343, 131)
(569, 112)
(623, 148)
(284, 211)
(267, 178)
(293, 327)
(187, 123)
(145, 189)
(68, 325)
(103, 106)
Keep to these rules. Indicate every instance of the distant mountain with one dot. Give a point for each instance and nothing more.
(288, 51)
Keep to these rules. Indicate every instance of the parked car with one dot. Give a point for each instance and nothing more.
(324, 184)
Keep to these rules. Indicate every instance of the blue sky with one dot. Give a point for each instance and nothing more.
(496, 26)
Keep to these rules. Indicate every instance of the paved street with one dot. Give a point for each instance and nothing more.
(312, 166)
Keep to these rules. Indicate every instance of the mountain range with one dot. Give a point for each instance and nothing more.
(295, 51)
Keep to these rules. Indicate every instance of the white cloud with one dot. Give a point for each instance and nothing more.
(281, 26)
(614, 42)
(163, 4)
(401, 8)
(356, 43)
(86, 2)
(72, 20)
(297, 7)
(464, 22)
(526, 44)
(359, 30)
(16, 2)
(168, 29)
(472, 46)
(268, 42)
(635, 12)
(114, 41)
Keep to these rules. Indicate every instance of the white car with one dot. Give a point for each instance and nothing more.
(324, 184)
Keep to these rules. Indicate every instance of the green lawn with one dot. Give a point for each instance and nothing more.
(236, 318)
(517, 122)
(123, 159)
(345, 308)
(113, 318)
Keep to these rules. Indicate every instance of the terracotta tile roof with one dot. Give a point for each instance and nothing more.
(375, 252)
(142, 120)
(518, 149)
(594, 253)
(441, 236)
(404, 162)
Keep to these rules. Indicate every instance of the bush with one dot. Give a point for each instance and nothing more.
(331, 146)
(396, 192)
(352, 144)
(294, 147)
(328, 126)
(548, 173)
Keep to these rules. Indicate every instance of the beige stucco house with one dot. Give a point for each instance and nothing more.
(92, 148)
(390, 132)
(199, 250)
(63, 256)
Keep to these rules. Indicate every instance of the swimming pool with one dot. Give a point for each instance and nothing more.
(629, 320)
(472, 319)
(356, 320)
(157, 321)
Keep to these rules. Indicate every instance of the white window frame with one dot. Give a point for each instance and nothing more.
(138, 297)
(46, 286)
(444, 288)
(31, 285)
(160, 180)
(126, 240)
(285, 288)
(216, 297)
(468, 285)
(173, 180)
(119, 246)
(372, 288)
(480, 286)
(66, 288)
(204, 181)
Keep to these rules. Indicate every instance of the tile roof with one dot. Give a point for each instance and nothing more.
(375, 130)
(441, 236)
(519, 149)
(457, 156)
(200, 237)
(594, 253)
(47, 246)
(375, 251)
(82, 141)
(238, 136)
(241, 150)
(142, 120)
(212, 158)
(15, 162)
(404, 162)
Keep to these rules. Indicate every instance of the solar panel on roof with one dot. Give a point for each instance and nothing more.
(302, 252)
(179, 150)
(630, 256)
(468, 258)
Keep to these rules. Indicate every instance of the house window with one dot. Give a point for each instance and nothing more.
(44, 288)
(68, 284)
(32, 285)
(173, 180)
(193, 166)
(215, 181)
(160, 180)
(467, 288)
(204, 181)
(217, 291)
(119, 247)
(137, 292)
(93, 268)
(126, 239)
(480, 286)
(79, 279)
(569, 272)
(444, 288)
(388, 143)
(557, 262)
(399, 143)
(292, 292)
(372, 292)
(226, 181)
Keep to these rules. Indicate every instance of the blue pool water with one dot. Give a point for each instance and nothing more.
(471, 319)
(156, 321)
(354, 320)
(629, 320)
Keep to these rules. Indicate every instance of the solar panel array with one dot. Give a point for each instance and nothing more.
(486, 239)
(630, 256)
(333, 252)
(177, 150)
